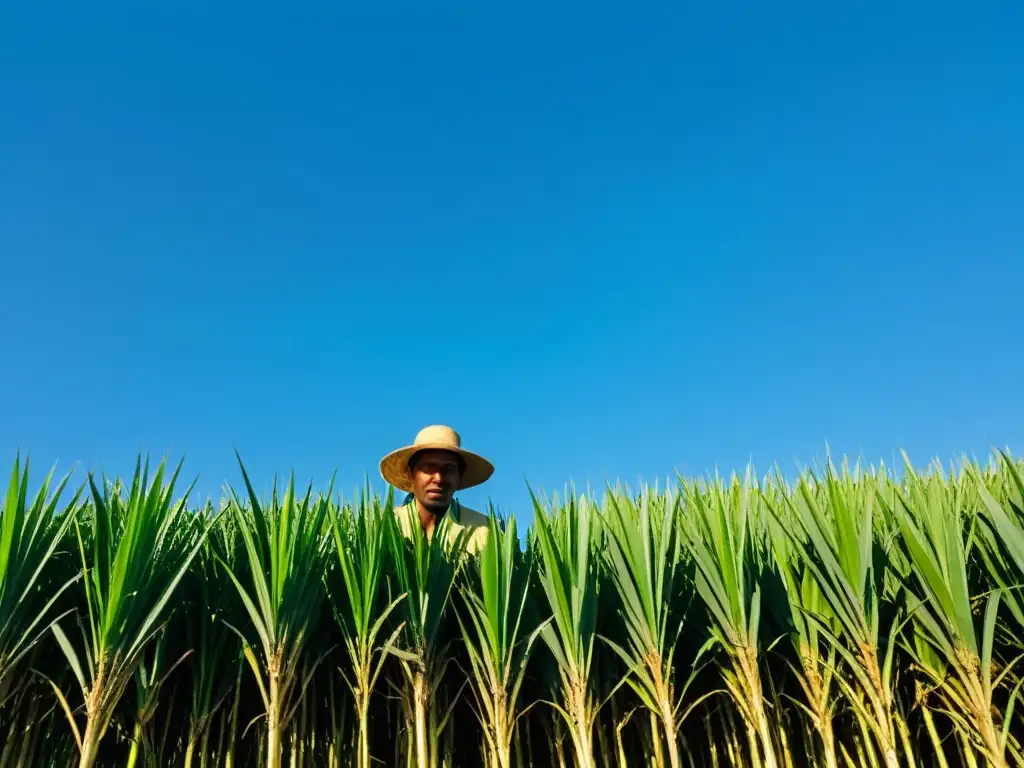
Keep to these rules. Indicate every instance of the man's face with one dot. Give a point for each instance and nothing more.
(435, 476)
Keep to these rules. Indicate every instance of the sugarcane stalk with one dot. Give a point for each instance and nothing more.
(421, 705)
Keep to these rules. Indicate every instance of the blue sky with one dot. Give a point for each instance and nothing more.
(602, 243)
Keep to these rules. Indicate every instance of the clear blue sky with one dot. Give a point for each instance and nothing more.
(600, 243)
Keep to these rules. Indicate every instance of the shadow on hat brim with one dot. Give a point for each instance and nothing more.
(394, 467)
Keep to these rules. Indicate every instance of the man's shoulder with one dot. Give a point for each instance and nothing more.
(470, 518)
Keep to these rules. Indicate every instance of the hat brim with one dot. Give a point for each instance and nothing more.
(394, 467)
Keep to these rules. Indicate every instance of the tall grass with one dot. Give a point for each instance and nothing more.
(361, 545)
(721, 535)
(499, 636)
(847, 617)
(30, 532)
(425, 572)
(569, 551)
(135, 552)
(285, 544)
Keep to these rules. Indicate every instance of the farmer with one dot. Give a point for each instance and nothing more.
(430, 471)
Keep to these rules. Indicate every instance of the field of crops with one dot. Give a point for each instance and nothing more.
(853, 617)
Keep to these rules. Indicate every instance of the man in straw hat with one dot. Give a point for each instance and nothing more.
(430, 471)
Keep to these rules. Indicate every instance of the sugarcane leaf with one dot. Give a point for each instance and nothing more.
(69, 653)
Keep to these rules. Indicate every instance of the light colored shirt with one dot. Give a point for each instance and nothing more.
(462, 519)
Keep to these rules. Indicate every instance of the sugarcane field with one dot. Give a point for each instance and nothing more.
(850, 616)
(509, 385)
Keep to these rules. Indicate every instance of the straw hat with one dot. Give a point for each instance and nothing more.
(395, 466)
